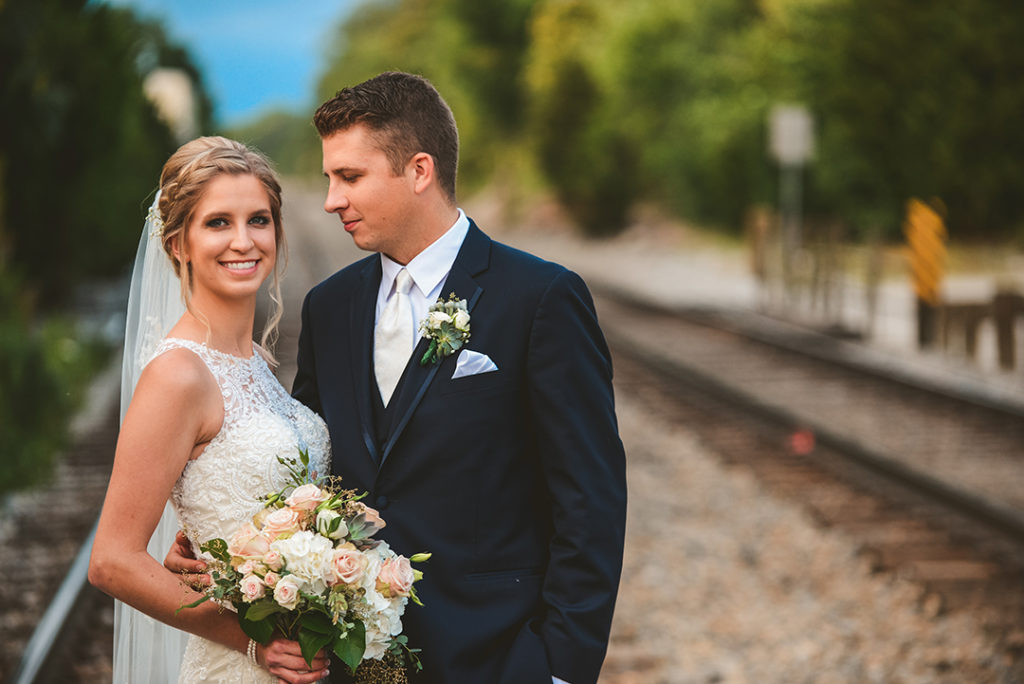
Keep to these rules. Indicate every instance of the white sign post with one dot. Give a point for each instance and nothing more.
(791, 142)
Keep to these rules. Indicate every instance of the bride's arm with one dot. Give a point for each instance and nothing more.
(176, 407)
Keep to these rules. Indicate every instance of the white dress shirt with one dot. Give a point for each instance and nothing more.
(429, 270)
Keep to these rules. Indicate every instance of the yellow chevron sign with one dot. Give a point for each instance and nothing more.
(926, 238)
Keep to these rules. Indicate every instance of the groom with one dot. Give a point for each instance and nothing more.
(502, 459)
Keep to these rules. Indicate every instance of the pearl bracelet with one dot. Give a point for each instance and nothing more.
(251, 651)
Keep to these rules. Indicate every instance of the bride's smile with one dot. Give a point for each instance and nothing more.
(230, 243)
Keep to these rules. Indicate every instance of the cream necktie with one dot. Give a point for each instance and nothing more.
(393, 338)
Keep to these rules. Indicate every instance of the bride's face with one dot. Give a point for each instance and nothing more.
(230, 240)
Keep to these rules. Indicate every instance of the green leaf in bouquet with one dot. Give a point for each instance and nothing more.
(261, 609)
(333, 526)
(351, 647)
(218, 548)
(260, 630)
(198, 601)
(314, 601)
(304, 457)
(318, 622)
(310, 642)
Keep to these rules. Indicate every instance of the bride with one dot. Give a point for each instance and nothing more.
(207, 420)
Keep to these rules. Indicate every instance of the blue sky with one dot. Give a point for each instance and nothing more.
(254, 54)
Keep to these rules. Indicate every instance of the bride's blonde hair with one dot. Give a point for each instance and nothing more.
(182, 184)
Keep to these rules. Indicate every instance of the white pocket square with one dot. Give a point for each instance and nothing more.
(472, 363)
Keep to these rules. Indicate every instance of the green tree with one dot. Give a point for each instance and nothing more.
(472, 52)
(289, 139)
(916, 99)
(80, 146)
(586, 155)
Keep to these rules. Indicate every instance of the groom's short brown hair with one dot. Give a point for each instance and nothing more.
(406, 116)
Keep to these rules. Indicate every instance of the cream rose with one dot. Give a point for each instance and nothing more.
(281, 521)
(323, 524)
(248, 542)
(437, 318)
(306, 497)
(286, 592)
(461, 319)
(347, 565)
(252, 588)
(395, 577)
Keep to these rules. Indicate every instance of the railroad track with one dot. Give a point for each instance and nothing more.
(877, 458)
(873, 455)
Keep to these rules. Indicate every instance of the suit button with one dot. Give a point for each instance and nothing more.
(381, 502)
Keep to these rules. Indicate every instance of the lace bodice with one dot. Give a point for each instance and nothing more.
(219, 490)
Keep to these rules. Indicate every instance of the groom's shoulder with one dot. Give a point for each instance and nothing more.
(525, 270)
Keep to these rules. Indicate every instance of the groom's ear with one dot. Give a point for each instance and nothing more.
(422, 170)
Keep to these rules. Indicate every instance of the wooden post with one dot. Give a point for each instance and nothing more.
(1005, 307)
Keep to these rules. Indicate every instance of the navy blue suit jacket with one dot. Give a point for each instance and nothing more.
(513, 479)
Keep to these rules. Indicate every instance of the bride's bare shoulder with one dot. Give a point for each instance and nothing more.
(177, 372)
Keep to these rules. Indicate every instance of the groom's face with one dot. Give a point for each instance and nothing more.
(372, 202)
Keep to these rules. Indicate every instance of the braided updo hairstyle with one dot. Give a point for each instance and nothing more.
(182, 183)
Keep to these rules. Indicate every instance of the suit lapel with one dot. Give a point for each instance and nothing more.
(473, 258)
(361, 330)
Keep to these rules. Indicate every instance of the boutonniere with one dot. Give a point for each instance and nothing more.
(446, 325)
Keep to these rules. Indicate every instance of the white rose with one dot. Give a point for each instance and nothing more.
(437, 318)
(462, 320)
(286, 592)
(323, 524)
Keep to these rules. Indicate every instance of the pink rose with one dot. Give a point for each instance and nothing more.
(252, 588)
(395, 577)
(270, 579)
(281, 521)
(247, 567)
(248, 542)
(306, 497)
(286, 592)
(347, 565)
(273, 560)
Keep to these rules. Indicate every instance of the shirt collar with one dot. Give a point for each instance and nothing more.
(430, 266)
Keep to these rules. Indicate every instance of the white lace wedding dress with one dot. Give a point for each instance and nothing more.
(218, 491)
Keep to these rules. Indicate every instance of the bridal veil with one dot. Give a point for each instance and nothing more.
(146, 650)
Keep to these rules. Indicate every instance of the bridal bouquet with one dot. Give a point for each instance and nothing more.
(308, 567)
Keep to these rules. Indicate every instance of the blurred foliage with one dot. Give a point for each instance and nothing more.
(916, 99)
(80, 146)
(288, 139)
(81, 150)
(472, 52)
(668, 102)
(44, 373)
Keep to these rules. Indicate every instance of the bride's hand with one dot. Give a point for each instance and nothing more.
(283, 659)
(182, 561)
